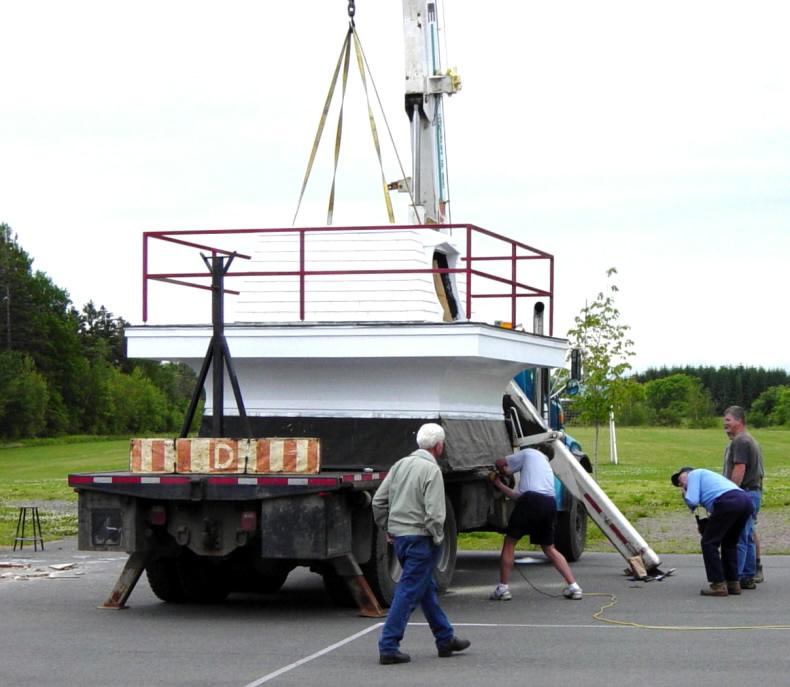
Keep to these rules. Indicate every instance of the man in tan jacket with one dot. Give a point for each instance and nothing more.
(409, 506)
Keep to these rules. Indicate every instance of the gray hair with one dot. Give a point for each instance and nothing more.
(429, 435)
(736, 413)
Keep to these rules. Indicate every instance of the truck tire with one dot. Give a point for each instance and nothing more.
(337, 589)
(270, 584)
(570, 537)
(445, 568)
(383, 570)
(197, 580)
(164, 580)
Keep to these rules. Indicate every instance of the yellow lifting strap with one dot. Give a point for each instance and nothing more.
(344, 59)
(373, 130)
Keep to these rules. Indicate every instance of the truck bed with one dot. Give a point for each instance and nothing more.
(222, 487)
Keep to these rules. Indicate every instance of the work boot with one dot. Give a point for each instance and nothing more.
(758, 577)
(733, 587)
(748, 583)
(715, 589)
(455, 644)
(391, 659)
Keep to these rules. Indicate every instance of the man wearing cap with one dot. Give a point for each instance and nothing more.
(729, 508)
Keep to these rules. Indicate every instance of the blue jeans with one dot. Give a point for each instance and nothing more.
(747, 551)
(418, 557)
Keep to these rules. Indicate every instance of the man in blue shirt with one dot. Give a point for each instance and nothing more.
(729, 509)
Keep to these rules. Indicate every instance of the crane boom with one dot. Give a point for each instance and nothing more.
(425, 87)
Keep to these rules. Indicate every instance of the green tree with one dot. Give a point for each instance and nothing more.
(63, 369)
(728, 386)
(679, 400)
(138, 406)
(606, 348)
(23, 396)
(631, 404)
(101, 334)
(40, 323)
(772, 407)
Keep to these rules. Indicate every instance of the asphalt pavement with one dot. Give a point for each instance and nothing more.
(623, 632)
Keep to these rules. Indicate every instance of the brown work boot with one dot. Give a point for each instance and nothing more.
(733, 587)
(715, 589)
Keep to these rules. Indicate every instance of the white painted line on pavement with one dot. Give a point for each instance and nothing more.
(370, 629)
(317, 654)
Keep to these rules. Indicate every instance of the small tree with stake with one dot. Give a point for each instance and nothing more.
(606, 348)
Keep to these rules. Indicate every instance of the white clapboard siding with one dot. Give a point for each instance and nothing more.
(391, 297)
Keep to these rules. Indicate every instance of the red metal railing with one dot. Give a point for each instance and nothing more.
(516, 253)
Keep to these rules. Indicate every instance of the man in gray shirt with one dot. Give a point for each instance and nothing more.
(409, 506)
(743, 464)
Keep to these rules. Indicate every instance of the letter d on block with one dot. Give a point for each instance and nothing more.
(224, 456)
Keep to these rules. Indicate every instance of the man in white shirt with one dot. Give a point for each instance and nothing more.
(535, 514)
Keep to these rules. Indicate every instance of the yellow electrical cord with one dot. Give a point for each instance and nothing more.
(687, 628)
(598, 615)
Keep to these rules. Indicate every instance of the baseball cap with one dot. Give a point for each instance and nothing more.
(678, 474)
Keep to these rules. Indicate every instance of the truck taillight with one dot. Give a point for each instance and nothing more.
(249, 521)
(158, 515)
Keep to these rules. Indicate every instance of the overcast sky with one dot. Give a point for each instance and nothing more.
(652, 137)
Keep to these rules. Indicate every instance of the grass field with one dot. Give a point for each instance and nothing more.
(36, 471)
(638, 484)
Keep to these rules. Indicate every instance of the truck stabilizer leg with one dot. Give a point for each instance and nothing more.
(604, 513)
(126, 581)
(348, 568)
(601, 509)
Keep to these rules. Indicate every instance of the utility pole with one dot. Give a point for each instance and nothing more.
(6, 239)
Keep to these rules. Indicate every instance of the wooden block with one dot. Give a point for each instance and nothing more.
(151, 455)
(204, 455)
(297, 456)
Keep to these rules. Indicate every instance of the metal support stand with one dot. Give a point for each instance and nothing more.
(21, 523)
(218, 357)
(126, 581)
(348, 568)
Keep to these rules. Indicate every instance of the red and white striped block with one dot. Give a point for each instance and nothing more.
(152, 455)
(299, 456)
(211, 455)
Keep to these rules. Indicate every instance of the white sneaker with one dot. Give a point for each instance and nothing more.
(501, 594)
(572, 592)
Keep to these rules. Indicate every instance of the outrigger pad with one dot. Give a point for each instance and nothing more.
(637, 567)
(653, 575)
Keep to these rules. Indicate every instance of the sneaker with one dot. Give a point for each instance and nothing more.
(748, 583)
(501, 594)
(572, 592)
(391, 659)
(758, 577)
(455, 644)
